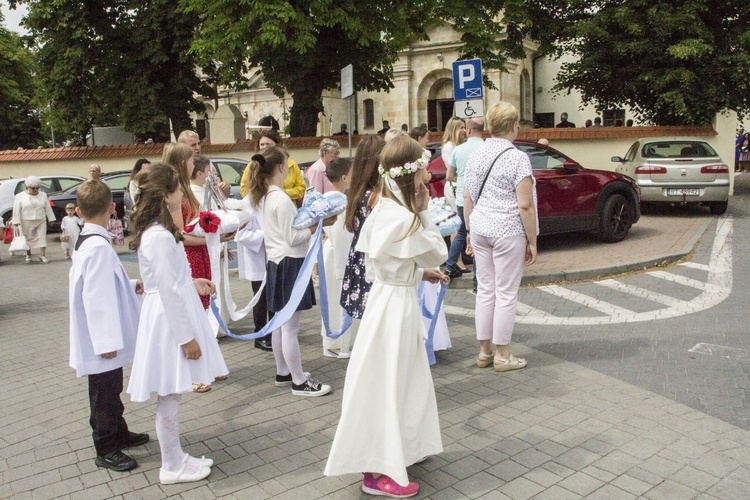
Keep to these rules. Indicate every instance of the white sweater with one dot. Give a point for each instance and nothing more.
(282, 240)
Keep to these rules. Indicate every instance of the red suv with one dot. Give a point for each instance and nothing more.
(571, 198)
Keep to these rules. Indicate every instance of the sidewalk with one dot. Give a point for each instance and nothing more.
(656, 239)
(555, 430)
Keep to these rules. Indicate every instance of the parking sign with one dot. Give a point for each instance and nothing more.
(467, 80)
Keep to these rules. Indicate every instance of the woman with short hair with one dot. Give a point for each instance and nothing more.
(316, 174)
(32, 212)
(501, 230)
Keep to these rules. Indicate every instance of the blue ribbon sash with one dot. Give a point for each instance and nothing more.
(315, 253)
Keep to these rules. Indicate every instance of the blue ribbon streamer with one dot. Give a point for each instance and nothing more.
(433, 317)
(315, 252)
(300, 286)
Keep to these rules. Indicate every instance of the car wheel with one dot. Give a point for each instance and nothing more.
(718, 207)
(616, 219)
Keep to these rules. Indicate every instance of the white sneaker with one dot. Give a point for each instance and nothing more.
(183, 476)
(43, 259)
(28, 259)
(329, 353)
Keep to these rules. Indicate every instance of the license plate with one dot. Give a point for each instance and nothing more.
(688, 192)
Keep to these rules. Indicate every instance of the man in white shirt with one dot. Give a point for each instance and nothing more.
(455, 173)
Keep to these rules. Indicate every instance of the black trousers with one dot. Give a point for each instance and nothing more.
(108, 425)
(260, 310)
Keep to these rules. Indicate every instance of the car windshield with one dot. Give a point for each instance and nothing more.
(74, 187)
(677, 149)
(542, 158)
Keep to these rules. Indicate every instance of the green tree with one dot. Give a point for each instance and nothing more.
(673, 62)
(300, 46)
(114, 62)
(19, 124)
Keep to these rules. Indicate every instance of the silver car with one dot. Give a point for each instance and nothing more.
(677, 170)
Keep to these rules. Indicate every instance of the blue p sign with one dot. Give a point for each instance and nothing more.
(467, 80)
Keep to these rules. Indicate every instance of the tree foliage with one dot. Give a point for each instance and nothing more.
(673, 62)
(19, 124)
(114, 62)
(300, 46)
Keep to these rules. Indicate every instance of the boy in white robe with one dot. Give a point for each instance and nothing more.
(104, 313)
(335, 257)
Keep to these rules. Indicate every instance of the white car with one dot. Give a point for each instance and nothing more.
(9, 188)
(677, 170)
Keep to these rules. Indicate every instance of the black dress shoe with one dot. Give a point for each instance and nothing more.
(263, 344)
(464, 271)
(134, 439)
(117, 461)
(455, 273)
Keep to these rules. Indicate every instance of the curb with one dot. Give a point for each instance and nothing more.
(591, 273)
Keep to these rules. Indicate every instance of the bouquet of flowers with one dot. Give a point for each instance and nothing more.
(223, 221)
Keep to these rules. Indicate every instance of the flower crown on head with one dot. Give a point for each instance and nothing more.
(408, 168)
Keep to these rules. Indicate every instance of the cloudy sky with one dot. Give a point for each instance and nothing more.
(13, 17)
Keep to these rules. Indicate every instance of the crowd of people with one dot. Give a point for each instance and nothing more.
(376, 255)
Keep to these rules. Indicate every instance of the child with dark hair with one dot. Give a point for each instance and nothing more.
(335, 258)
(285, 250)
(175, 345)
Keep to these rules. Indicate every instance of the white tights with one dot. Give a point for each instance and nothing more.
(168, 433)
(286, 350)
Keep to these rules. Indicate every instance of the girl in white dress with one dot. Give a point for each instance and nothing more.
(389, 417)
(175, 345)
(71, 228)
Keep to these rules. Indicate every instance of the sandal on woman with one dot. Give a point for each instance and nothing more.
(198, 387)
(221, 377)
(509, 364)
(484, 360)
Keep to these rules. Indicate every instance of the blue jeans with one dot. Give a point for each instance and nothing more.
(458, 246)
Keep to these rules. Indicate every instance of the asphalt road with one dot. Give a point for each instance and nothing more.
(685, 337)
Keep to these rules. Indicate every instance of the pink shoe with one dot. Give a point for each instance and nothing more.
(387, 487)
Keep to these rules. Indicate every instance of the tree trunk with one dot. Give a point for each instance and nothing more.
(304, 111)
(180, 121)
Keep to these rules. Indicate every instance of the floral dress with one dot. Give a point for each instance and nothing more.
(198, 258)
(355, 288)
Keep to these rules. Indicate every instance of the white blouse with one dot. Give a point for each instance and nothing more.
(282, 240)
(496, 214)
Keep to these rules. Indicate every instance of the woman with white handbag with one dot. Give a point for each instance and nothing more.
(31, 211)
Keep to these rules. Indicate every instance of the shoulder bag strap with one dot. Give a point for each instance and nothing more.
(83, 238)
(488, 173)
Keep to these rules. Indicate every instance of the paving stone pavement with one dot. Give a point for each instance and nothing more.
(555, 430)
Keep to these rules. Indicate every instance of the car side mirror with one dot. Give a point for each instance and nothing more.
(570, 166)
(616, 159)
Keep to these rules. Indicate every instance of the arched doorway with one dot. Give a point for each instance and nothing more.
(436, 91)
